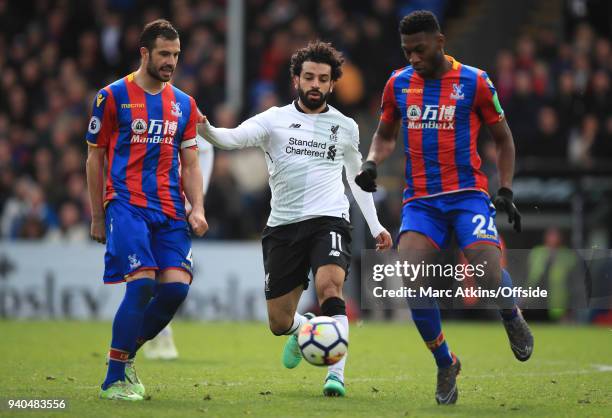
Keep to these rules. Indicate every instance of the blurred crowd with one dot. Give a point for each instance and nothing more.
(557, 97)
(55, 55)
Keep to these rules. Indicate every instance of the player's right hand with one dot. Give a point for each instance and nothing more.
(98, 230)
(367, 176)
(198, 223)
(384, 241)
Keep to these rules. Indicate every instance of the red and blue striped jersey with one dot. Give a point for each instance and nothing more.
(440, 121)
(143, 134)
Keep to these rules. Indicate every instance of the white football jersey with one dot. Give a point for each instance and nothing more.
(305, 154)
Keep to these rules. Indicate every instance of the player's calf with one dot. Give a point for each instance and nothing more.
(160, 311)
(128, 320)
(282, 324)
(334, 382)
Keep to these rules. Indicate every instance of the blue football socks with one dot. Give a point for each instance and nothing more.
(429, 324)
(128, 320)
(509, 309)
(160, 311)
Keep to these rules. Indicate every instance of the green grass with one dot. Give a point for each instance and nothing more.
(233, 369)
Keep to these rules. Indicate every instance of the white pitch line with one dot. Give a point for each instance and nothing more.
(602, 367)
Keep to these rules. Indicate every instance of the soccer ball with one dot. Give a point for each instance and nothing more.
(323, 341)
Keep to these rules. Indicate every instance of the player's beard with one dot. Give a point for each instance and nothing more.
(156, 73)
(312, 104)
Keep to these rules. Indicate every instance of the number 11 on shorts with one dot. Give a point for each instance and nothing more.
(336, 238)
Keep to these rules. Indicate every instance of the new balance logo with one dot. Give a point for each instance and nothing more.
(334, 253)
(295, 126)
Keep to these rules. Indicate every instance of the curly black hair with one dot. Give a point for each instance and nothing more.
(419, 21)
(320, 52)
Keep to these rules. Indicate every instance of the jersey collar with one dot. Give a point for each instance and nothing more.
(130, 78)
(295, 103)
(454, 63)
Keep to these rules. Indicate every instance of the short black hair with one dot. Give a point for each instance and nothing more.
(320, 52)
(419, 21)
(156, 29)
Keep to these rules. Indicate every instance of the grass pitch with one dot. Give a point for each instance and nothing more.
(234, 370)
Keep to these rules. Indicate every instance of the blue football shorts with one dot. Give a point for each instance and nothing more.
(143, 239)
(470, 214)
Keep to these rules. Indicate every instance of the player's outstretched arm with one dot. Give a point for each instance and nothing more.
(383, 141)
(250, 133)
(383, 144)
(365, 201)
(191, 176)
(95, 186)
(206, 153)
(505, 165)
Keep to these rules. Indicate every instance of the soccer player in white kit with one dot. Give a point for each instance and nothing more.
(306, 145)
(162, 347)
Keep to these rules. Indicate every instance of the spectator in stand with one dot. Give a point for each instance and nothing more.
(522, 108)
(548, 141)
(71, 227)
(581, 142)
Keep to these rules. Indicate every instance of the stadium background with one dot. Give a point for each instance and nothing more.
(551, 62)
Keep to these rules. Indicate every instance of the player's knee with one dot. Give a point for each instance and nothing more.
(492, 276)
(280, 324)
(141, 291)
(486, 260)
(173, 293)
(333, 306)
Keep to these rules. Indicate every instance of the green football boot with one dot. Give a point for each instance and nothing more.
(131, 378)
(120, 391)
(333, 386)
(291, 353)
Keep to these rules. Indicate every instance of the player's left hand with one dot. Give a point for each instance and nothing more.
(503, 202)
(366, 179)
(384, 241)
(197, 221)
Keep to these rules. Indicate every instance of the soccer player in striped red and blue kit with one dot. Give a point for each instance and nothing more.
(440, 105)
(146, 130)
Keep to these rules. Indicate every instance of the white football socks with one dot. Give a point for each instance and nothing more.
(338, 368)
(298, 321)
(167, 331)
